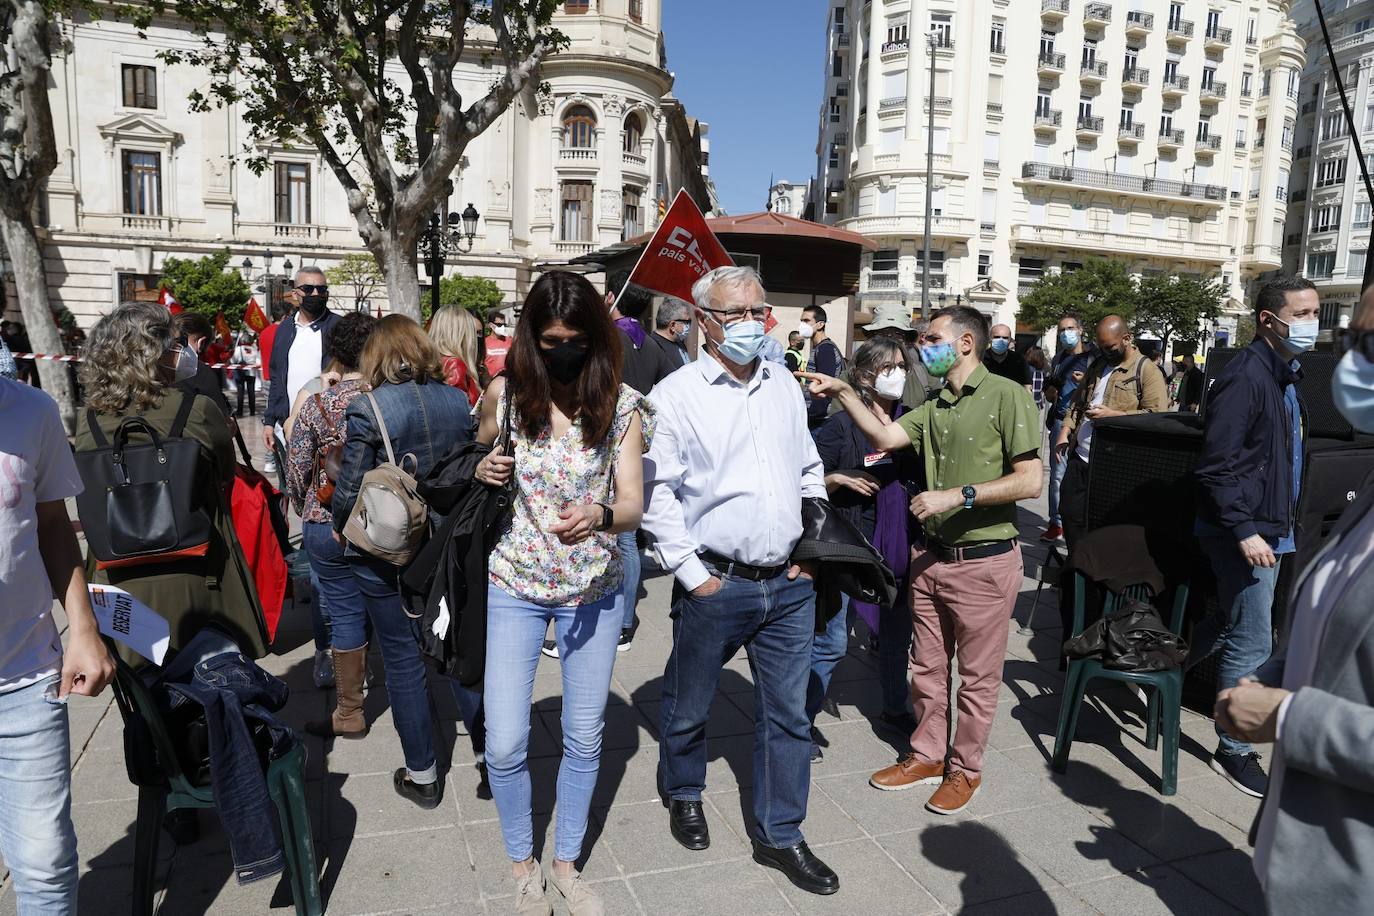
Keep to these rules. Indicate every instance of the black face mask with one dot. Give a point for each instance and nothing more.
(314, 306)
(1114, 357)
(565, 361)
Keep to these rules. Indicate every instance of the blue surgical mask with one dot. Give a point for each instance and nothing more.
(1069, 337)
(1352, 389)
(682, 334)
(1302, 335)
(743, 340)
(1000, 346)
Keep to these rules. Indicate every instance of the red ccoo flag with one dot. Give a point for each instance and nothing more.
(168, 301)
(254, 317)
(222, 329)
(682, 250)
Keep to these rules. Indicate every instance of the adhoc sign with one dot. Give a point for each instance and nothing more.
(682, 250)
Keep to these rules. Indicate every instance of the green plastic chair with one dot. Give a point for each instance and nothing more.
(1165, 688)
(169, 789)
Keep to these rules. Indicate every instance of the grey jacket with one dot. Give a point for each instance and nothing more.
(1322, 857)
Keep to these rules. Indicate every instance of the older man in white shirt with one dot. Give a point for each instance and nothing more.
(730, 463)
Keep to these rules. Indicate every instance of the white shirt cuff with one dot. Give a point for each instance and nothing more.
(692, 573)
(1283, 711)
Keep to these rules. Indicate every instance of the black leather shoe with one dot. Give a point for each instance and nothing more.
(799, 865)
(427, 796)
(688, 823)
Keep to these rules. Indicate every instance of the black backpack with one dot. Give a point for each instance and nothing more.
(145, 501)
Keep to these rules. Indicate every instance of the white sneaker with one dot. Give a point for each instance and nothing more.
(550, 648)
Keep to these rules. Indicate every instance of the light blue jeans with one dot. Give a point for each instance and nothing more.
(629, 589)
(587, 637)
(36, 835)
(1242, 630)
(1057, 469)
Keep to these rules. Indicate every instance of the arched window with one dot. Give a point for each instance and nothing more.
(579, 128)
(634, 133)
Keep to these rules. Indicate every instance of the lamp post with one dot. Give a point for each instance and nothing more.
(932, 42)
(441, 239)
(264, 280)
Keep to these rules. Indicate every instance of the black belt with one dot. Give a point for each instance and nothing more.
(728, 567)
(946, 554)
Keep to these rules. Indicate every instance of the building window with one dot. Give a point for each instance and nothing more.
(1321, 266)
(984, 265)
(634, 134)
(1204, 128)
(1132, 59)
(896, 30)
(1175, 14)
(1292, 84)
(1085, 109)
(998, 41)
(1042, 104)
(142, 182)
(1330, 172)
(140, 85)
(1361, 25)
(292, 192)
(1266, 83)
(1209, 74)
(576, 6)
(834, 155)
(577, 211)
(1354, 267)
(579, 128)
(1327, 218)
(942, 27)
(837, 65)
(138, 287)
(937, 262)
(1171, 70)
(839, 19)
(1359, 217)
(1127, 114)
(1089, 52)
(885, 261)
(632, 210)
(1046, 44)
(637, 10)
(1333, 126)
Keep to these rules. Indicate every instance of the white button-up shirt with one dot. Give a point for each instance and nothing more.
(728, 468)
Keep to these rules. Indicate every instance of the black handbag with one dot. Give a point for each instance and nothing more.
(1133, 639)
(145, 502)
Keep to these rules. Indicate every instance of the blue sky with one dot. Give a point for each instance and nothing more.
(753, 70)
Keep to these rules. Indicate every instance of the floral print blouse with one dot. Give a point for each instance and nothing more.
(310, 437)
(550, 475)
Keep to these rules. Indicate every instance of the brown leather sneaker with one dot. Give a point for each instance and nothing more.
(912, 771)
(954, 793)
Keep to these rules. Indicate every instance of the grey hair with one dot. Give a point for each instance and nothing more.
(869, 359)
(672, 309)
(722, 276)
(309, 269)
(123, 358)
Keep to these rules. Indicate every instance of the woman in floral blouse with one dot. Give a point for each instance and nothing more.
(319, 426)
(576, 457)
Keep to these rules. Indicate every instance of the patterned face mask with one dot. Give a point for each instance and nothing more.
(938, 358)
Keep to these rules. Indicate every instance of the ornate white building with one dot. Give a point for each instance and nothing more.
(142, 179)
(1329, 216)
(790, 198)
(1150, 131)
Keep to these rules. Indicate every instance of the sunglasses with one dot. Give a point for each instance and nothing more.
(1361, 342)
(310, 289)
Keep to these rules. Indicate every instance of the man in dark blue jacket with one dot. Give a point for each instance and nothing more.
(301, 348)
(1249, 473)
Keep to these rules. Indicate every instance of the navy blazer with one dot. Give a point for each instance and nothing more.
(1245, 471)
(277, 366)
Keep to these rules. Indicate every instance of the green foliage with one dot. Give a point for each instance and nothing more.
(1245, 330)
(208, 285)
(1171, 306)
(359, 275)
(476, 294)
(1097, 289)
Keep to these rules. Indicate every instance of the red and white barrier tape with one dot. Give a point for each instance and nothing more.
(76, 359)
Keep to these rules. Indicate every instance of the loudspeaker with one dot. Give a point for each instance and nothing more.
(1324, 421)
(1140, 471)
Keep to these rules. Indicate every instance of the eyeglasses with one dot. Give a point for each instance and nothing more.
(756, 313)
(311, 289)
(1361, 342)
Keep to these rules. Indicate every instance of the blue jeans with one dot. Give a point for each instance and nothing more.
(36, 835)
(587, 637)
(894, 646)
(629, 589)
(1057, 469)
(827, 648)
(774, 622)
(406, 685)
(336, 586)
(319, 608)
(474, 718)
(1243, 630)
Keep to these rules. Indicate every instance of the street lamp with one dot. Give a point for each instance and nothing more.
(453, 236)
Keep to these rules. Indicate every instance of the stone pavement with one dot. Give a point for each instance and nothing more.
(1099, 839)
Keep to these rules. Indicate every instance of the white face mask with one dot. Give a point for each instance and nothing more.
(186, 365)
(891, 383)
(806, 330)
(501, 330)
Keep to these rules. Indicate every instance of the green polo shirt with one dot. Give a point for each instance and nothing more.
(971, 438)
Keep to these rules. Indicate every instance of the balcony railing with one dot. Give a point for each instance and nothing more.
(1048, 118)
(1115, 181)
(1050, 60)
(1171, 136)
(1087, 124)
(1054, 7)
(892, 104)
(1131, 132)
(1281, 194)
(1137, 21)
(634, 159)
(1093, 69)
(146, 223)
(1308, 107)
(1241, 143)
(296, 230)
(1175, 85)
(1097, 13)
(842, 139)
(1135, 76)
(892, 47)
(1214, 90)
(1304, 153)
(577, 154)
(1218, 38)
(1180, 28)
(883, 280)
(941, 103)
(842, 40)
(1210, 143)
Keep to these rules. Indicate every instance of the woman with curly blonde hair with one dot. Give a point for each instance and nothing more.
(132, 364)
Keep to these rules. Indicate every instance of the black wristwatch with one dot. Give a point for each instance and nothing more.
(969, 495)
(607, 518)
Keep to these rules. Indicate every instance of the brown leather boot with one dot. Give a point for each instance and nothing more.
(348, 720)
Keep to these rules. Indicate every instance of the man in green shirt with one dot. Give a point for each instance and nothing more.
(979, 440)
